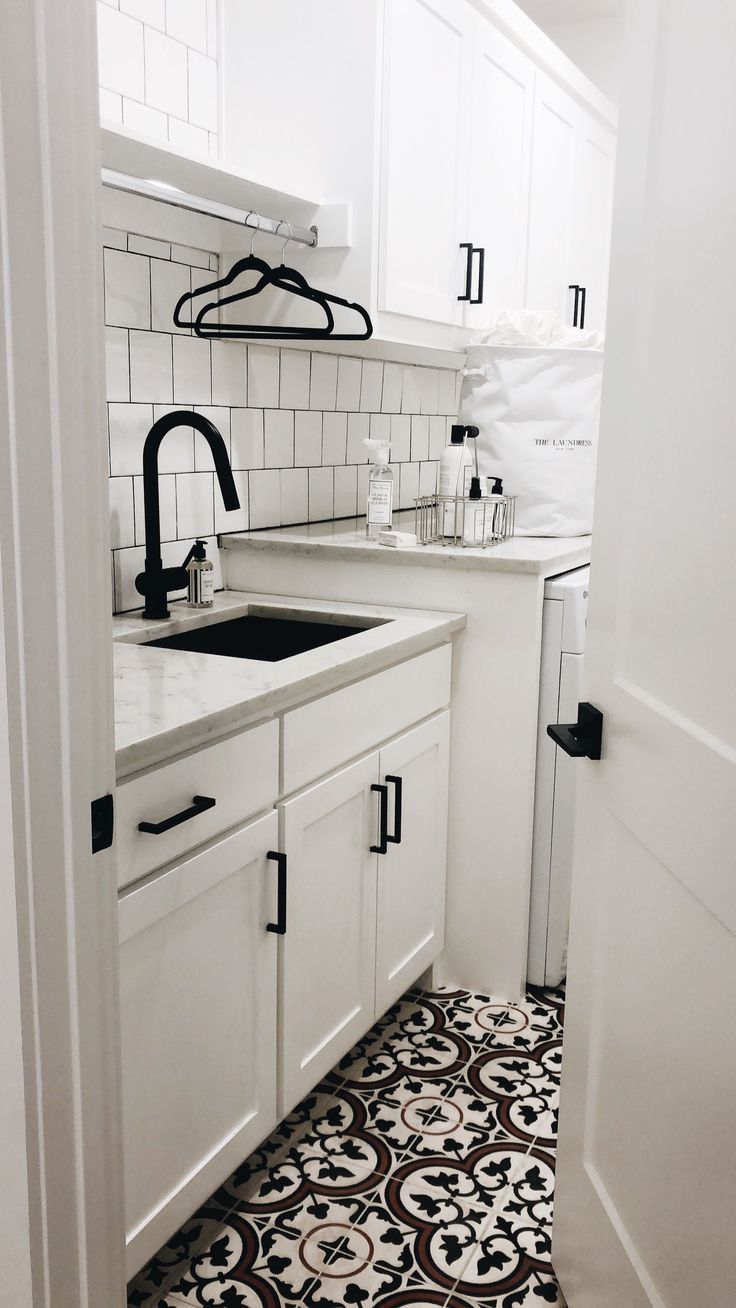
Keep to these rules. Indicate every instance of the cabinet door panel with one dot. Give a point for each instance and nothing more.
(328, 952)
(411, 876)
(591, 241)
(503, 105)
(428, 62)
(549, 268)
(198, 1001)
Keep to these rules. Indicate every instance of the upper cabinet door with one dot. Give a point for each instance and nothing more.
(428, 52)
(501, 130)
(327, 966)
(593, 210)
(549, 264)
(411, 875)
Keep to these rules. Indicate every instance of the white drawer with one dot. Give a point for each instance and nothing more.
(241, 774)
(321, 736)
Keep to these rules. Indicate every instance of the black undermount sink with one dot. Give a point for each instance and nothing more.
(261, 637)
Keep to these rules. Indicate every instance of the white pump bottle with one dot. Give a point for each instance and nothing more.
(380, 507)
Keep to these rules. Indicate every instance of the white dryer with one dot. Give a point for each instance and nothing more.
(563, 644)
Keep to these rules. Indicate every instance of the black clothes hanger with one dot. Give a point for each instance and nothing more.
(282, 277)
(288, 279)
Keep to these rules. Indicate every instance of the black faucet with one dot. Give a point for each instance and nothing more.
(155, 582)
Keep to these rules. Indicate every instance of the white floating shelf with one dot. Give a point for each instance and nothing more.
(154, 163)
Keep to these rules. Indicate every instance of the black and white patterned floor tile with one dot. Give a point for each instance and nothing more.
(421, 1172)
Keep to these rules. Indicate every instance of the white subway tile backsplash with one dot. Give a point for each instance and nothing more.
(167, 507)
(294, 393)
(144, 121)
(166, 74)
(263, 377)
(334, 438)
(400, 438)
(117, 365)
(380, 427)
(120, 52)
(127, 289)
(364, 476)
(278, 431)
(122, 521)
(437, 436)
(246, 438)
(233, 519)
(393, 377)
(349, 372)
(427, 478)
(150, 367)
(129, 425)
(419, 438)
(446, 393)
(294, 495)
(152, 12)
(321, 499)
(114, 239)
(111, 107)
(169, 281)
(265, 498)
(228, 373)
(409, 485)
(323, 392)
(410, 395)
(346, 492)
(192, 371)
(188, 139)
(359, 428)
(371, 387)
(195, 504)
(187, 254)
(307, 439)
(147, 245)
(202, 91)
(429, 390)
(187, 21)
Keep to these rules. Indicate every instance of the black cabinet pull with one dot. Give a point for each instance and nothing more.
(578, 310)
(279, 926)
(468, 245)
(581, 739)
(479, 250)
(395, 839)
(581, 314)
(200, 804)
(382, 847)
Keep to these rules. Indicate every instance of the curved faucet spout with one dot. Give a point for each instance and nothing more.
(156, 581)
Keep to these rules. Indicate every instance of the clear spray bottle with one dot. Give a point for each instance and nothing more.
(380, 507)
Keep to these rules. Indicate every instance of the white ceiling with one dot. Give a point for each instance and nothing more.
(569, 11)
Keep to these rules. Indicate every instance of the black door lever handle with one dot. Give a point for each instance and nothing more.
(581, 739)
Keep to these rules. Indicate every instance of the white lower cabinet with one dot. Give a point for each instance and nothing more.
(327, 964)
(410, 921)
(198, 999)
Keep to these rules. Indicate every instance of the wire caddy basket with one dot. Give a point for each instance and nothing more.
(460, 520)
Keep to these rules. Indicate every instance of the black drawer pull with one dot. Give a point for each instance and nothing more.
(395, 839)
(581, 739)
(279, 926)
(200, 804)
(382, 847)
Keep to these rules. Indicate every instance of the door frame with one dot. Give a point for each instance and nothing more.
(57, 753)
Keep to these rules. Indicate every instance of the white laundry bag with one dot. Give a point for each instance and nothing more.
(532, 386)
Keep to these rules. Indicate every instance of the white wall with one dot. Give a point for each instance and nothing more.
(590, 32)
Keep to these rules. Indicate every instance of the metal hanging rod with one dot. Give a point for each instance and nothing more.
(167, 194)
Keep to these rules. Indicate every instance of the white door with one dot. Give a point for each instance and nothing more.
(327, 966)
(595, 151)
(198, 998)
(426, 98)
(411, 875)
(498, 209)
(552, 196)
(646, 1190)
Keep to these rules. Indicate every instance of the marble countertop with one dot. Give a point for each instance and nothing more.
(540, 555)
(169, 701)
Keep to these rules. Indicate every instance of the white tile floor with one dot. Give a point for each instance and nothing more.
(421, 1172)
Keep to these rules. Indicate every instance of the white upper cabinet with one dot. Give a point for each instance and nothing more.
(426, 88)
(498, 207)
(591, 224)
(549, 265)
